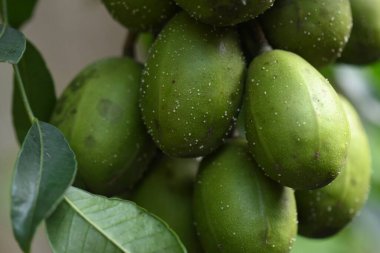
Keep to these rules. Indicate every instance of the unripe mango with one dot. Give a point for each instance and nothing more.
(224, 12)
(239, 210)
(296, 127)
(314, 29)
(167, 192)
(363, 46)
(99, 115)
(141, 15)
(326, 211)
(192, 87)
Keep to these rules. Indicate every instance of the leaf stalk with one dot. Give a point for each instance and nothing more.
(24, 97)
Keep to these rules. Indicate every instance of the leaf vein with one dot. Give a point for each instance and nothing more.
(97, 228)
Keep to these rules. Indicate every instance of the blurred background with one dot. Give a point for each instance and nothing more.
(71, 34)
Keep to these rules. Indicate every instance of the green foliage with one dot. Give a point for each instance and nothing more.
(167, 192)
(373, 74)
(45, 167)
(12, 45)
(89, 223)
(19, 11)
(39, 87)
(374, 140)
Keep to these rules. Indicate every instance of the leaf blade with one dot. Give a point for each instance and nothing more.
(107, 225)
(12, 45)
(44, 169)
(20, 11)
(39, 88)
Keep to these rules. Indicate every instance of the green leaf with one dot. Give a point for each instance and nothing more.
(44, 169)
(374, 75)
(12, 45)
(373, 132)
(39, 87)
(19, 11)
(94, 224)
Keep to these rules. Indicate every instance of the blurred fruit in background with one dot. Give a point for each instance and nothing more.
(362, 86)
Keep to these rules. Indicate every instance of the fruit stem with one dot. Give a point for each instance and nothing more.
(129, 45)
(24, 97)
(4, 17)
(260, 37)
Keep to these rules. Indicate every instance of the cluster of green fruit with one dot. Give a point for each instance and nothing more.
(299, 133)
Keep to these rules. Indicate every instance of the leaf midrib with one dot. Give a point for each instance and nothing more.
(81, 214)
(38, 184)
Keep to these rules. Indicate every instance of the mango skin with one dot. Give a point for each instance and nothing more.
(313, 29)
(99, 115)
(167, 192)
(363, 46)
(224, 12)
(238, 209)
(296, 127)
(141, 15)
(326, 211)
(192, 87)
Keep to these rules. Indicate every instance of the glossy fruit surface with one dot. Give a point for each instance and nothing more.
(314, 29)
(224, 12)
(99, 115)
(192, 87)
(238, 209)
(326, 211)
(167, 192)
(296, 127)
(141, 15)
(363, 46)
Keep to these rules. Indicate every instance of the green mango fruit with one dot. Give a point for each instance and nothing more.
(237, 209)
(99, 115)
(224, 12)
(192, 87)
(363, 46)
(143, 43)
(314, 29)
(362, 236)
(296, 127)
(326, 211)
(141, 15)
(167, 192)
